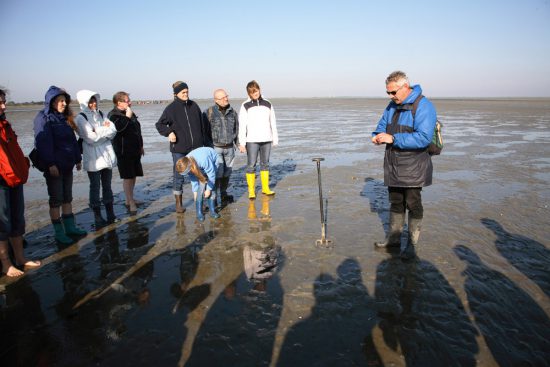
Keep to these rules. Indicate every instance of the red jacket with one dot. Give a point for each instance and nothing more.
(14, 166)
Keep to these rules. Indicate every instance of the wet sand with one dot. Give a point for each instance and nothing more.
(252, 289)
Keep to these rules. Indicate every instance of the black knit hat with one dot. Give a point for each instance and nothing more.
(178, 88)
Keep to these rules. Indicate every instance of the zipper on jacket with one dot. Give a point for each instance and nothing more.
(189, 125)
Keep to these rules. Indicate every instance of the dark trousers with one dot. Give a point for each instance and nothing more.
(403, 198)
(177, 179)
(100, 179)
(12, 212)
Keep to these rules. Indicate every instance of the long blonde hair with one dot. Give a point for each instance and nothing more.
(183, 163)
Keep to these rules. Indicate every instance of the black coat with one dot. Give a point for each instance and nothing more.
(127, 142)
(184, 118)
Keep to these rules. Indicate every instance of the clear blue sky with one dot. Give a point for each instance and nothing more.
(467, 48)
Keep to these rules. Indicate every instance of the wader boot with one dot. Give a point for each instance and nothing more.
(198, 206)
(98, 219)
(60, 235)
(251, 180)
(179, 204)
(111, 217)
(70, 226)
(393, 238)
(414, 233)
(265, 183)
(212, 207)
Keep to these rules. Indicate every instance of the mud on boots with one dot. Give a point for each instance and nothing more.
(393, 238)
(414, 224)
(265, 183)
(251, 180)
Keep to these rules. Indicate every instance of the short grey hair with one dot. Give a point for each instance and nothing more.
(398, 77)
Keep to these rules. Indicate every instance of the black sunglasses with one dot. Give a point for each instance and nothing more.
(394, 92)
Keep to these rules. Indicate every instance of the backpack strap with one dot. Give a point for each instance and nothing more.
(84, 115)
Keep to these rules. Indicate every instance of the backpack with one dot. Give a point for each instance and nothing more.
(80, 140)
(436, 145)
(14, 166)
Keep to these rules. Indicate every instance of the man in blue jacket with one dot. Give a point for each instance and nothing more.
(407, 163)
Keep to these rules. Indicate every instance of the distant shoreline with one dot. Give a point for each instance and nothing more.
(38, 105)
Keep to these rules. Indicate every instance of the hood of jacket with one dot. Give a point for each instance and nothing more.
(416, 91)
(53, 92)
(84, 96)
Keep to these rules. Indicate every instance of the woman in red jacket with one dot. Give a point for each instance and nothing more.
(14, 171)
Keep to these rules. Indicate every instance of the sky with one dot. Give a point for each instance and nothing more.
(346, 48)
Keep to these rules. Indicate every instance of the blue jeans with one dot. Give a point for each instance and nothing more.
(12, 212)
(226, 157)
(178, 180)
(100, 179)
(252, 150)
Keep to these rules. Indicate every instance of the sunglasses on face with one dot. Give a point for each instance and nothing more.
(394, 92)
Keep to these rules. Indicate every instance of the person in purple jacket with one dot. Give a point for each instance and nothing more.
(55, 141)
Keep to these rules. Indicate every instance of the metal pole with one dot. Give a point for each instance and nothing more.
(323, 209)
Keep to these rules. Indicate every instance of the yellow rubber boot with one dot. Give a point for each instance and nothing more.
(265, 183)
(251, 180)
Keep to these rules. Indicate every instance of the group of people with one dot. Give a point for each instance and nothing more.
(203, 146)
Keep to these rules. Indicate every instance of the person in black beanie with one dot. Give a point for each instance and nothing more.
(182, 122)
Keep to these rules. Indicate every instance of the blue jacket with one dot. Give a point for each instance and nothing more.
(54, 138)
(407, 162)
(207, 160)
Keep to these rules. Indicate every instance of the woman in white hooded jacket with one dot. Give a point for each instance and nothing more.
(98, 155)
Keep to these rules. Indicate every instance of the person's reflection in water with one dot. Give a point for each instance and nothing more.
(515, 328)
(239, 329)
(334, 332)
(190, 298)
(25, 339)
(265, 213)
(421, 314)
(530, 257)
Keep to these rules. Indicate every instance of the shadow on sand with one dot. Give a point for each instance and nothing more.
(514, 326)
(421, 316)
(530, 257)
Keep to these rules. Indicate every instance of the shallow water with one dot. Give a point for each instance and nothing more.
(252, 289)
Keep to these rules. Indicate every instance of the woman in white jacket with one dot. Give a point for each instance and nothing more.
(98, 156)
(257, 133)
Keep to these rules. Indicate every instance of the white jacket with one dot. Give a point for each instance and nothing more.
(97, 150)
(257, 123)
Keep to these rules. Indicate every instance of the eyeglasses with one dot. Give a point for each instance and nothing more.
(128, 101)
(394, 92)
(224, 97)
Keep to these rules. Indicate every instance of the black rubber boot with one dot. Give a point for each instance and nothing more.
(111, 217)
(393, 239)
(409, 251)
(224, 184)
(99, 221)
